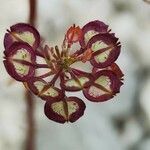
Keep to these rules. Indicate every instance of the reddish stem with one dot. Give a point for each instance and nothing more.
(30, 139)
(32, 12)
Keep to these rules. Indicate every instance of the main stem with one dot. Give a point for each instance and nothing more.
(30, 138)
(32, 12)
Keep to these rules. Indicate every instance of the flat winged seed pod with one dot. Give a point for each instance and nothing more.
(85, 62)
(22, 32)
(114, 67)
(68, 109)
(17, 60)
(77, 81)
(105, 49)
(105, 85)
(36, 85)
(91, 29)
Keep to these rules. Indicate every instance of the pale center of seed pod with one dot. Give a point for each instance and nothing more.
(103, 56)
(73, 83)
(58, 107)
(21, 54)
(98, 45)
(72, 107)
(95, 92)
(50, 92)
(89, 35)
(26, 37)
(39, 85)
(104, 81)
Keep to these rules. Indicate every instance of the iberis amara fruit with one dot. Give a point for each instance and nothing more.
(84, 62)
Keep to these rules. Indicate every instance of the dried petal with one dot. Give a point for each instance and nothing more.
(23, 33)
(66, 110)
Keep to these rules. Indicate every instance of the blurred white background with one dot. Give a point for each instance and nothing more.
(122, 123)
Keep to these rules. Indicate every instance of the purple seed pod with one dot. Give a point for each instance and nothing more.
(105, 85)
(22, 32)
(91, 29)
(68, 109)
(36, 85)
(18, 60)
(106, 50)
